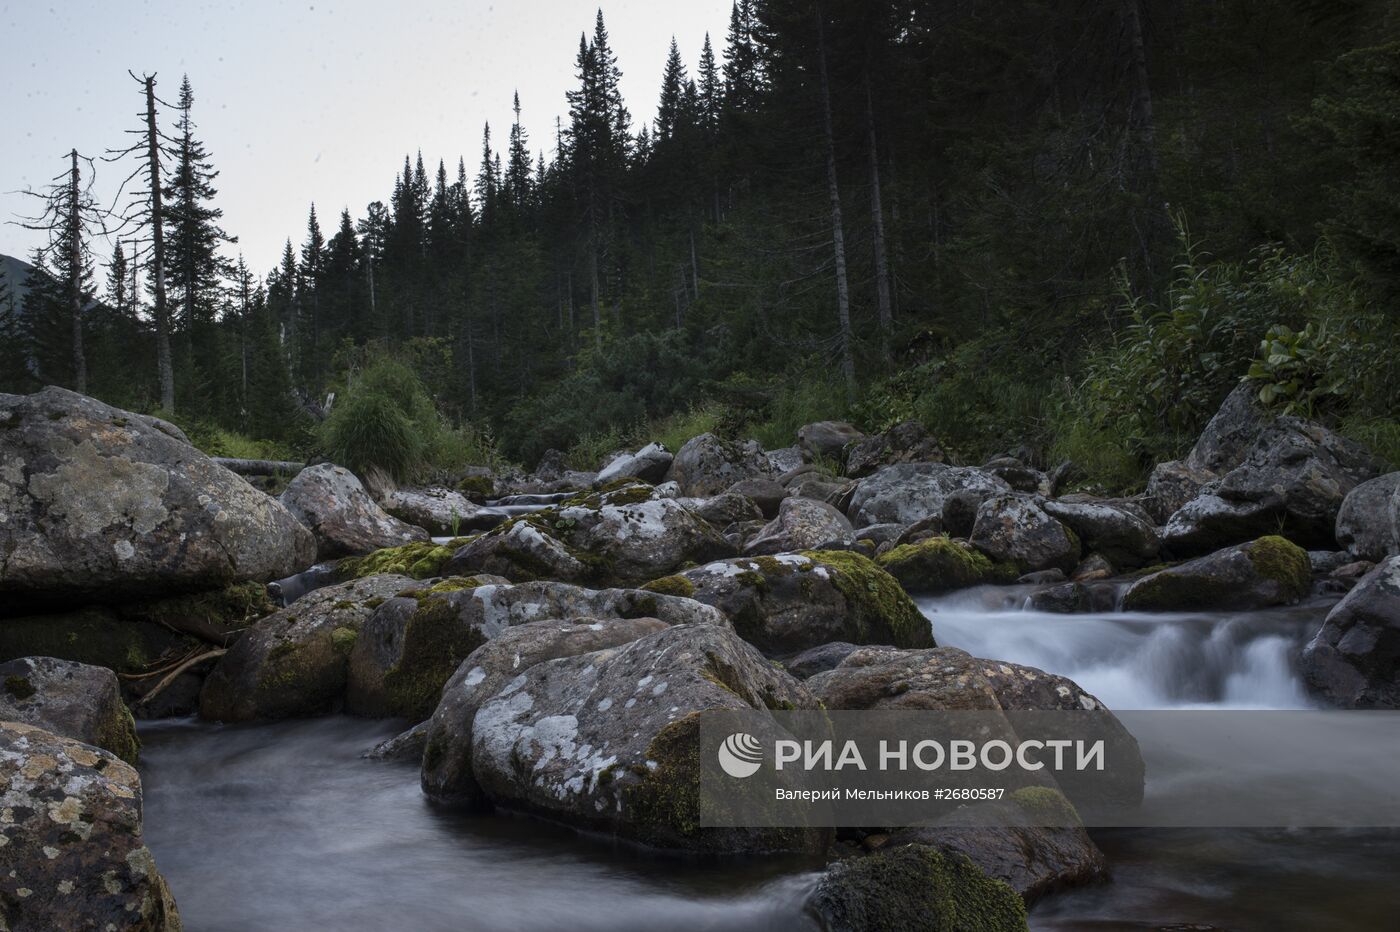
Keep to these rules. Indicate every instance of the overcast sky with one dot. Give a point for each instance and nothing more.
(303, 102)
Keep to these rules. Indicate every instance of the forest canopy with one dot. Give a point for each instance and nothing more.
(1071, 225)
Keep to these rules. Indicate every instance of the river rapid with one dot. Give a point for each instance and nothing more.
(285, 826)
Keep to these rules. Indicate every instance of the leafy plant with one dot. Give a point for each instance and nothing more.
(1291, 369)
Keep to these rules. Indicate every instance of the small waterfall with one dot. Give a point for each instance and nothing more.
(1140, 661)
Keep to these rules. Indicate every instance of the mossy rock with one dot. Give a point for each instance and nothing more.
(671, 585)
(881, 612)
(915, 887)
(214, 615)
(477, 488)
(435, 642)
(1266, 572)
(940, 564)
(419, 560)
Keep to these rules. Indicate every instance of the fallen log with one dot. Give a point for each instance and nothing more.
(259, 467)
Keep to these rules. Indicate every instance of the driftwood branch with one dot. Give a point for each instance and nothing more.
(177, 670)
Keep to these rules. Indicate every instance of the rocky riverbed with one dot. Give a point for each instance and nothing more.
(848, 572)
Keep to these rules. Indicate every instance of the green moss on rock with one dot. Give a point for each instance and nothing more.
(418, 560)
(881, 612)
(941, 564)
(94, 636)
(476, 487)
(1046, 806)
(435, 642)
(916, 887)
(671, 585)
(118, 735)
(1284, 562)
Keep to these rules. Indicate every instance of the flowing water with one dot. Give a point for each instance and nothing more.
(285, 826)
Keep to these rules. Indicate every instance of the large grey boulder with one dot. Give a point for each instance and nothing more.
(1017, 529)
(827, 440)
(1265, 572)
(1231, 433)
(70, 840)
(620, 537)
(414, 642)
(792, 602)
(908, 492)
(435, 510)
(607, 740)
(75, 700)
(1292, 482)
(97, 505)
(447, 759)
(1120, 535)
(906, 442)
(1354, 661)
(801, 524)
(295, 662)
(1366, 524)
(650, 464)
(333, 503)
(1171, 485)
(724, 509)
(707, 465)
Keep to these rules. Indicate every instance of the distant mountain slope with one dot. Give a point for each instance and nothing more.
(15, 271)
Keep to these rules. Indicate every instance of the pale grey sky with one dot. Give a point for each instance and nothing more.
(310, 101)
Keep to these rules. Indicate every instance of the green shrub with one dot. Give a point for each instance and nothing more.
(370, 430)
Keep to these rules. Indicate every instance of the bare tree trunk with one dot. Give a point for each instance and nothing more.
(843, 294)
(161, 311)
(877, 214)
(75, 277)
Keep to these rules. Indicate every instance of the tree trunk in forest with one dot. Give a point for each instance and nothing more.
(843, 294)
(161, 312)
(75, 277)
(1141, 107)
(877, 214)
(593, 286)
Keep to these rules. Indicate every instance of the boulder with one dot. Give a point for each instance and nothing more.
(707, 465)
(73, 854)
(940, 564)
(1018, 475)
(623, 536)
(74, 700)
(414, 642)
(437, 511)
(880, 534)
(99, 636)
(96, 505)
(404, 746)
(1231, 433)
(330, 501)
(1354, 661)
(649, 464)
(1015, 528)
(1292, 482)
(740, 533)
(821, 658)
(783, 459)
(915, 887)
(906, 493)
(801, 524)
(447, 762)
(788, 603)
(1171, 485)
(818, 486)
(948, 679)
(826, 440)
(1121, 536)
(1268, 571)
(1074, 597)
(906, 442)
(1093, 567)
(1366, 524)
(767, 494)
(1031, 858)
(724, 509)
(608, 740)
(295, 662)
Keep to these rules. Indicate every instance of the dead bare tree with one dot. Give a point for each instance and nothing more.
(71, 216)
(146, 211)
